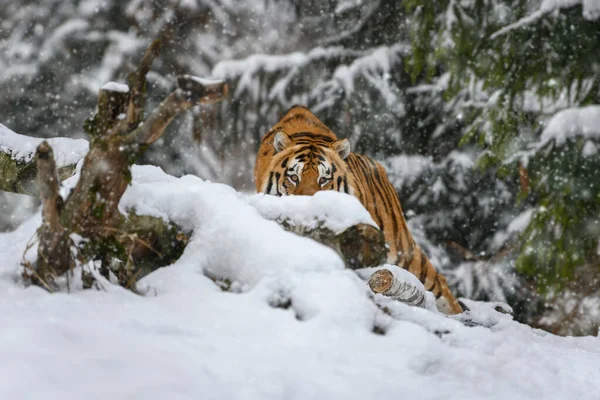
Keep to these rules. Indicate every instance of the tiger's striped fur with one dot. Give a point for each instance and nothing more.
(300, 156)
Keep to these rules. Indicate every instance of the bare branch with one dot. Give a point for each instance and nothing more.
(193, 91)
(137, 84)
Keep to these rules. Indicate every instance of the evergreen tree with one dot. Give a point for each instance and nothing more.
(523, 76)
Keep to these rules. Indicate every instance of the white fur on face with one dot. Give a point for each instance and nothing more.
(324, 172)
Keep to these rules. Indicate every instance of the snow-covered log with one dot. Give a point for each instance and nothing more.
(360, 246)
(334, 219)
(383, 281)
(18, 163)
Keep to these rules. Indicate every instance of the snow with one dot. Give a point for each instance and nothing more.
(520, 222)
(403, 170)
(22, 148)
(247, 69)
(328, 209)
(116, 87)
(589, 149)
(185, 338)
(375, 66)
(55, 41)
(571, 122)
(590, 11)
(203, 81)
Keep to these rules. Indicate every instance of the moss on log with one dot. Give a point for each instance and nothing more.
(17, 176)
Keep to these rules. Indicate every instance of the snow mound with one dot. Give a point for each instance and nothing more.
(22, 148)
(590, 10)
(294, 324)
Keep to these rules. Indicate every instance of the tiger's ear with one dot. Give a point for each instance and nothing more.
(281, 141)
(342, 147)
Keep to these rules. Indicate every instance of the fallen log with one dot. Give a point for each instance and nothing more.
(337, 220)
(360, 246)
(18, 163)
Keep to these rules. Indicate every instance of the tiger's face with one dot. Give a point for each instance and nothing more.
(305, 168)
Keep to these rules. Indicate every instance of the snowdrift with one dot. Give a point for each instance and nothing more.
(251, 311)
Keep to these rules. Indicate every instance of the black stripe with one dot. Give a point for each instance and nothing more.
(277, 177)
(284, 163)
(346, 185)
(385, 197)
(270, 186)
(269, 135)
(436, 289)
(423, 276)
(316, 136)
(368, 178)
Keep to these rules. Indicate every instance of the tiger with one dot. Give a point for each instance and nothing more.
(301, 156)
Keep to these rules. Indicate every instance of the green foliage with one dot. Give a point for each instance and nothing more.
(566, 226)
(494, 74)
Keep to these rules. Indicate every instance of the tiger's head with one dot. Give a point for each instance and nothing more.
(305, 167)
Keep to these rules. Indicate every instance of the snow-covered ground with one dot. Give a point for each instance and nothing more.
(294, 325)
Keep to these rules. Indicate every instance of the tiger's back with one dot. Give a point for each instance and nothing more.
(300, 155)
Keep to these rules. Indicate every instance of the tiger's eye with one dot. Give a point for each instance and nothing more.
(323, 180)
(294, 178)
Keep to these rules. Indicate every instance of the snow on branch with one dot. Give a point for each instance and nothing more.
(247, 70)
(375, 67)
(590, 11)
(371, 9)
(566, 124)
(267, 77)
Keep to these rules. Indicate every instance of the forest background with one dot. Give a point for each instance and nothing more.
(486, 114)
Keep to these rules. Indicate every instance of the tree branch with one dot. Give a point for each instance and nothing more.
(192, 91)
(137, 84)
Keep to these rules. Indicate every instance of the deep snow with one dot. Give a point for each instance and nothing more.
(296, 324)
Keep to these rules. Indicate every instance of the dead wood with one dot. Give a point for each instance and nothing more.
(19, 175)
(54, 254)
(384, 282)
(128, 247)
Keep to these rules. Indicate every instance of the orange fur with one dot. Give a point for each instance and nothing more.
(300, 156)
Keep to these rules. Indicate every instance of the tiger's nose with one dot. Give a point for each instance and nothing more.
(307, 191)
